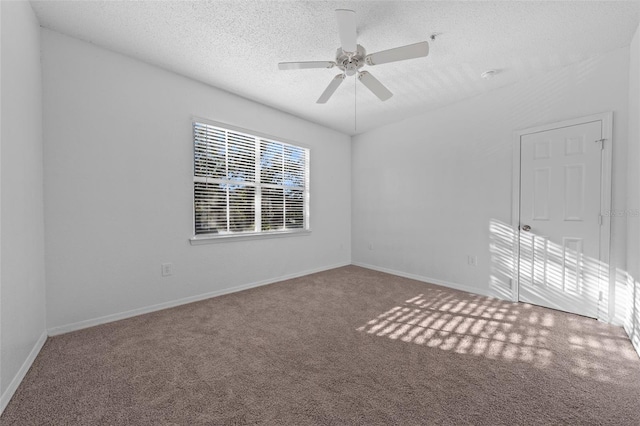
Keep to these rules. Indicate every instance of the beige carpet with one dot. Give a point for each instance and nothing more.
(347, 346)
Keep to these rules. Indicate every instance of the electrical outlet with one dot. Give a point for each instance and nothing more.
(472, 260)
(167, 269)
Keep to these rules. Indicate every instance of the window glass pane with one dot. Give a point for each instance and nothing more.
(210, 208)
(242, 214)
(294, 166)
(209, 151)
(294, 208)
(241, 157)
(270, 162)
(272, 209)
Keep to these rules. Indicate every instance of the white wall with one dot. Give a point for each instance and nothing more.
(118, 187)
(427, 190)
(22, 306)
(632, 323)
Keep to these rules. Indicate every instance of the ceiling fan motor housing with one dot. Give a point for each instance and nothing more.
(349, 62)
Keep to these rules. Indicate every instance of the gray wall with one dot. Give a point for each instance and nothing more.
(119, 183)
(632, 292)
(433, 189)
(22, 283)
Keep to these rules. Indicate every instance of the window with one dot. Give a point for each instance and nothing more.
(247, 184)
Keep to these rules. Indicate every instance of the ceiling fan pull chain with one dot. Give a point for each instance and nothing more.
(355, 105)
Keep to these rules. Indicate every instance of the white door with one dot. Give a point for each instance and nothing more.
(560, 193)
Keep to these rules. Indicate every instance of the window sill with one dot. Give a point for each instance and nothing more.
(212, 238)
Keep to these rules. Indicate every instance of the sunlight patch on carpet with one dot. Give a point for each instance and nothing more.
(495, 329)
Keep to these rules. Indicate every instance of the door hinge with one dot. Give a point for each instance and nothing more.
(599, 219)
(600, 296)
(601, 142)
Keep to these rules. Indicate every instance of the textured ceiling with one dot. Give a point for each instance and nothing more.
(236, 46)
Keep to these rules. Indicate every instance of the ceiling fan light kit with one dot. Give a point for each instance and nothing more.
(351, 57)
(350, 62)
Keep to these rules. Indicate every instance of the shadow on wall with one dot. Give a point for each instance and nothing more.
(501, 249)
(562, 270)
(540, 101)
(548, 271)
(628, 303)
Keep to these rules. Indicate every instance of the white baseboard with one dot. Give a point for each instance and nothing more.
(17, 379)
(54, 331)
(455, 286)
(635, 341)
(633, 332)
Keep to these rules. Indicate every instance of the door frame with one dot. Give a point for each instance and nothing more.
(606, 284)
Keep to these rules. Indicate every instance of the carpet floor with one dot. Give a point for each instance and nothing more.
(349, 346)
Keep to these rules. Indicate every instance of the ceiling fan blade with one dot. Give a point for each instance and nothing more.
(410, 51)
(375, 86)
(335, 83)
(347, 29)
(305, 65)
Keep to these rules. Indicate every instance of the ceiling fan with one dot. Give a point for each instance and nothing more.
(350, 57)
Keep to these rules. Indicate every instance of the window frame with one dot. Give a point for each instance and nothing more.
(218, 237)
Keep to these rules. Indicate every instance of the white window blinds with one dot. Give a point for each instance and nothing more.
(248, 184)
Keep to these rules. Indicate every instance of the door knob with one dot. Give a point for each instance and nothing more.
(526, 228)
